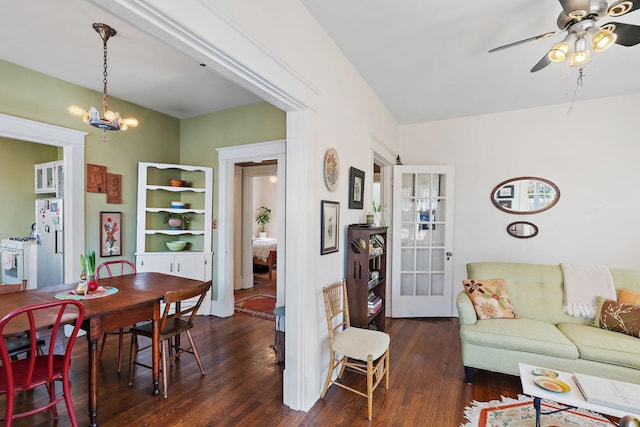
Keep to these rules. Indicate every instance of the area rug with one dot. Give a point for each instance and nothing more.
(520, 412)
(260, 305)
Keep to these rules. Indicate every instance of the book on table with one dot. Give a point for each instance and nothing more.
(610, 393)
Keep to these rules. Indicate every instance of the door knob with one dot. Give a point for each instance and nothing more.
(449, 255)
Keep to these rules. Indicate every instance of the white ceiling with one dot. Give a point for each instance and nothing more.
(425, 59)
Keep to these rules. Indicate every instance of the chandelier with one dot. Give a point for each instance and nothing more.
(110, 120)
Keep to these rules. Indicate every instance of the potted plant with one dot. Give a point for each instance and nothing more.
(263, 218)
(176, 221)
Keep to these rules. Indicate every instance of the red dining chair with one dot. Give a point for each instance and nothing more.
(19, 343)
(40, 370)
(109, 269)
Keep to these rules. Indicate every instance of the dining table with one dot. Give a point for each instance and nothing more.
(138, 298)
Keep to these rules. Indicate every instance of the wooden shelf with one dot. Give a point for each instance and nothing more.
(366, 257)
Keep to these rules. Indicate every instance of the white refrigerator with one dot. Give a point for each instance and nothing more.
(49, 242)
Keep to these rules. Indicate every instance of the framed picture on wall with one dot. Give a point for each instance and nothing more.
(329, 226)
(505, 192)
(356, 188)
(110, 234)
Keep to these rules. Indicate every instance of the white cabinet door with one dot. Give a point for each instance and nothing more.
(193, 266)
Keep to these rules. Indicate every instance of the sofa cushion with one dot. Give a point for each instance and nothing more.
(628, 297)
(526, 335)
(603, 346)
(618, 317)
(490, 299)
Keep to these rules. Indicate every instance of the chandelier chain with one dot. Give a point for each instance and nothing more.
(105, 101)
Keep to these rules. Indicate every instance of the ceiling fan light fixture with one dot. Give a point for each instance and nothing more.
(559, 52)
(619, 8)
(580, 58)
(603, 39)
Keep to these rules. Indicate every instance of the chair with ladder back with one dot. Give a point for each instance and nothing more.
(171, 326)
(109, 269)
(363, 351)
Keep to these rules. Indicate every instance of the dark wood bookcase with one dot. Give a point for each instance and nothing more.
(366, 275)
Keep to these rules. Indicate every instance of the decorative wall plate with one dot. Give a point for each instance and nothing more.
(331, 169)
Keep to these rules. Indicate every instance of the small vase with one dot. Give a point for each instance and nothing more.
(175, 223)
(262, 234)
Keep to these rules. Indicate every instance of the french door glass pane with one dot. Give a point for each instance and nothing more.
(408, 259)
(407, 235)
(437, 260)
(437, 284)
(423, 185)
(408, 211)
(406, 284)
(407, 185)
(422, 284)
(423, 260)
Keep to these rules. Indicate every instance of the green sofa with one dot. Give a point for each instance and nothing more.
(543, 335)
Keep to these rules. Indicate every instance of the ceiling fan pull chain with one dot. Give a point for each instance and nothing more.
(581, 75)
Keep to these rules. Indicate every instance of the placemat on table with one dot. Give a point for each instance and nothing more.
(102, 291)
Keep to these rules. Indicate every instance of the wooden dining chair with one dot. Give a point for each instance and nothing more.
(20, 343)
(38, 370)
(364, 351)
(109, 269)
(175, 321)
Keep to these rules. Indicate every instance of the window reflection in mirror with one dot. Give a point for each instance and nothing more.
(525, 195)
(522, 229)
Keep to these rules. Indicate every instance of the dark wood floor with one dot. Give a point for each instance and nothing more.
(243, 386)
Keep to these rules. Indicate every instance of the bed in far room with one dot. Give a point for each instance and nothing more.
(265, 253)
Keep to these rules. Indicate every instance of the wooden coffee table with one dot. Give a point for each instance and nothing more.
(572, 398)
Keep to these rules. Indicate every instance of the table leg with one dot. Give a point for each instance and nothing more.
(536, 404)
(93, 381)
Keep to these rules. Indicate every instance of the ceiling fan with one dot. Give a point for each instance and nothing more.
(578, 18)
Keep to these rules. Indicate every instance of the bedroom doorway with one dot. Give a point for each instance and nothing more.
(247, 173)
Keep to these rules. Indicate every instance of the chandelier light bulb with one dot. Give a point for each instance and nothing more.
(559, 52)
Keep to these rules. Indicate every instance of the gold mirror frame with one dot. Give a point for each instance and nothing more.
(505, 193)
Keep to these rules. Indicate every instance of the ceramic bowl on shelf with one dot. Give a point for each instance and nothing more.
(178, 205)
(176, 245)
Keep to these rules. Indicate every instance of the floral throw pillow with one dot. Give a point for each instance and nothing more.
(618, 317)
(490, 299)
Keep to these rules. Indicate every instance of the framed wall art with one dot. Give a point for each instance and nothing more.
(505, 192)
(114, 188)
(356, 188)
(110, 234)
(96, 178)
(329, 227)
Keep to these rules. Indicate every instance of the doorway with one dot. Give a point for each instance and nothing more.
(72, 143)
(230, 253)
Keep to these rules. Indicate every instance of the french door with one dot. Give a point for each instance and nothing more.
(422, 267)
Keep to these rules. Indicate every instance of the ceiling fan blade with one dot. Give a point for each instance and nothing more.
(575, 5)
(541, 64)
(530, 39)
(628, 35)
(621, 7)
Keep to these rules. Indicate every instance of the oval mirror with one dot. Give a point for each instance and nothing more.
(522, 229)
(525, 195)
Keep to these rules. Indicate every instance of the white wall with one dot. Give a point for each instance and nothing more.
(265, 194)
(593, 156)
(276, 49)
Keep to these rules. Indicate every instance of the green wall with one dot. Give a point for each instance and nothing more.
(159, 138)
(28, 94)
(200, 136)
(17, 195)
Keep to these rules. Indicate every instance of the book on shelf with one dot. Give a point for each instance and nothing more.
(610, 393)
